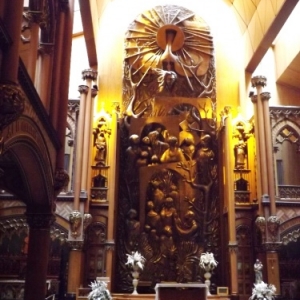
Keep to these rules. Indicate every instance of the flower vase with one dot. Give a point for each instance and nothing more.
(135, 275)
(207, 276)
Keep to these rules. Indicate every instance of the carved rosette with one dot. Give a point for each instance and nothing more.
(12, 101)
(87, 220)
(259, 81)
(273, 224)
(61, 180)
(40, 221)
(75, 220)
(260, 222)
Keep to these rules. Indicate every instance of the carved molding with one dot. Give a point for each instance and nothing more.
(273, 224)
(40, 221)
(12, 101)
(291, 237)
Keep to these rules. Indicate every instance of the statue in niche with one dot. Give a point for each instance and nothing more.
(173, 153)
(100, 141)
(101, 147)
(241, 148)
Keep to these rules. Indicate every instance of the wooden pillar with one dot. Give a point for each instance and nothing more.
(229, 182)
(111, 196)
(75, 268)
(43, 76)
(90, 76)
(38, 253)
(269, 151)
(90, 150)
(259, 82)
(83, 89)
(12, 19)
(258, 158)
(63, 95)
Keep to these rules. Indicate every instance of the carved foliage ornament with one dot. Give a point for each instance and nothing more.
(12, 102)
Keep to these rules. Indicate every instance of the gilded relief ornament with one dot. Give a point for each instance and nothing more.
(169, 52)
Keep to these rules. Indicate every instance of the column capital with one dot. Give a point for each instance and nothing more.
(76, 245)
(233, 247)
(40, 221)
(265, 96)
(94, 92)
(89, 74)
(254, 99)
(83, 89)
(259, 81)
(46, 48)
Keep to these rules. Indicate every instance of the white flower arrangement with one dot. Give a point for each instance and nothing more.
(207, 261)
(263, 291)
(135, 259)
(99, 291)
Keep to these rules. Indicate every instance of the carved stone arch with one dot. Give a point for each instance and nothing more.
(290, 230)
(27, 174)
(278, 127)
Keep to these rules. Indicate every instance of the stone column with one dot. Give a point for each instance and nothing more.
(38, 253)
(229, 194)
(13, 11)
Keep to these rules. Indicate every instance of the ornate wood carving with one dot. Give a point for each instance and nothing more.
(168, 188)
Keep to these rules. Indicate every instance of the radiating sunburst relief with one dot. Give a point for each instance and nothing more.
(168, 52)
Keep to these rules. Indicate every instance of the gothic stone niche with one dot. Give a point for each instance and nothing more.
(168, 206)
